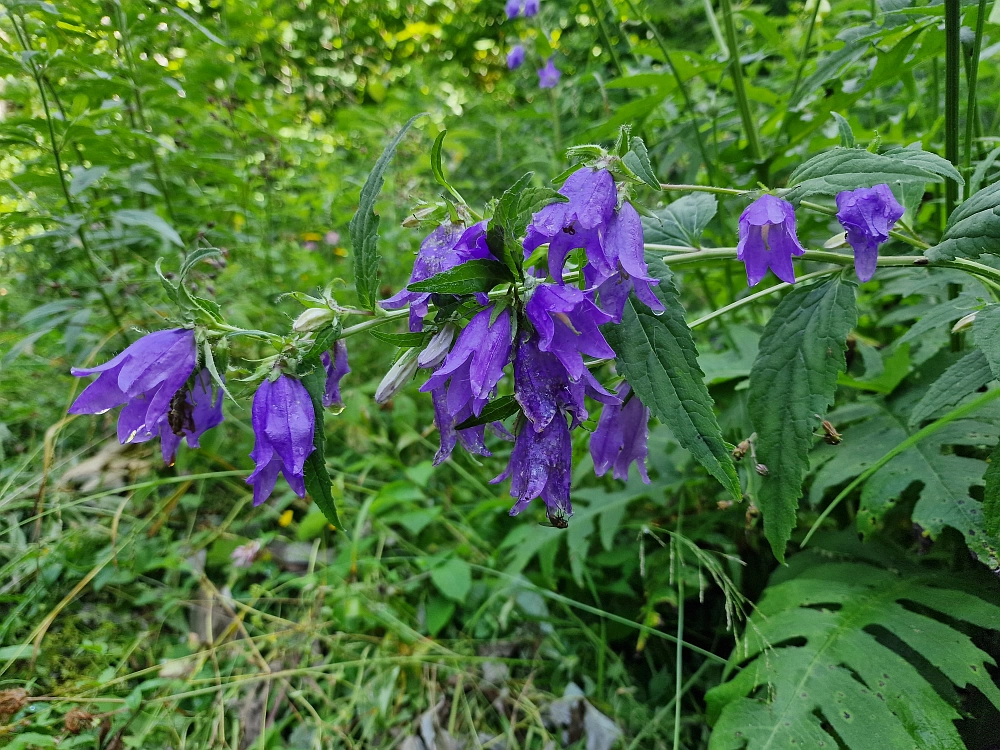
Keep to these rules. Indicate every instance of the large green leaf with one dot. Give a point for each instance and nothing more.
(963, 378)
(658, 357)
(681, 222)
(364, 225)
(843, 679)
(973, 228)
(849, 168)
(791, 386)
(468, 278)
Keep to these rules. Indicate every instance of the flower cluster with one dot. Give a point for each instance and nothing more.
(768, 239)
(546, 334)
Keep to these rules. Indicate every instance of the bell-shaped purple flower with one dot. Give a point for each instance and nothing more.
(549, 74)
(336, 368)
(577, 223)
(624, 251)
(515, 58)
(476, 364)
(567, 324)
(541, 466)
(543, 388)
(145, 377)
(473, 439)
(447, 246)
(868, 214)
(283, 424)
(768, 240)
(512, 9)
(620, 437)
(192, 412)
(530, 8)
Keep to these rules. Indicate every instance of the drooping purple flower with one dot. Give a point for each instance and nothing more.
(768, 240)
(577, 223)
(447, 246)
(192, 412)
(540, 466)
(530, 8)
(515, 58)
(336, 368)
(868, 214)
(620, 437)
(513, 8)
(476, 364)
(623, 251)
(549, 75)
(567, 324)
(446, 419)
(283, 423)
(543, 389)
(145, 377)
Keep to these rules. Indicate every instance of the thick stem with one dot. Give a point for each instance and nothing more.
(972, 75)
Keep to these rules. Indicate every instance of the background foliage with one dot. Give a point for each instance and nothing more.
(134, 130)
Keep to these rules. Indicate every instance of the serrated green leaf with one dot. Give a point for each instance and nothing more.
(991, 494)
(637, 160)
(364, 225)
(494, 411)
(658, 357)
(973, 228)
(402, 340)
(986, 331)
(792, 381)
(681, 222)
(317, 478)
(844, 127)
(849, 168)
(470, 277)
(195, 257)
(322, 342)
(843, 678)
(962, 379)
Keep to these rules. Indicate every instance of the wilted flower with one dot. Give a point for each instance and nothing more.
(768, 240)
(868, 214)
(312, 319)
(244, 555)
(515, 58)
(447, 246)
(399, 375)
(513, 8)
(145, 377)
(530, 8)
(336, 368)
(567, 324)
(283, 423)
(576, 223)
(543, 389)
(541, 466)
(549, 75)
(620, 437)
(623, 251)
(437, 349)
(192, 412)
(476, 364)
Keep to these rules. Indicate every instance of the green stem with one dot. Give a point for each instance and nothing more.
(736, 71)
(952, 60)
(758, 295)
(930, 429)
(705, 189)
(972, 75)
(679, 664)
(607, 40)
(804, 58)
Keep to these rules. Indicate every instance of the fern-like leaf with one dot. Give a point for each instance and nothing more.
(843, 686)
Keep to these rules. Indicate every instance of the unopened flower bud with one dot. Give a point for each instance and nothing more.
(312, 319)
(438, 347)
(761, 469)
(964, 323)
(398, 376)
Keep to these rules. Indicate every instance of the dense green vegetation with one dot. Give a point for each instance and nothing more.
(814, 561)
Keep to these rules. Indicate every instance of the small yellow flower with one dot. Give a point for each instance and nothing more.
(286, 518)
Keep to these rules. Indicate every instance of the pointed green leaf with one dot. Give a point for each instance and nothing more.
(962, 379)
(495, 411)
(973, 228)
(317, 478)
(470, 277)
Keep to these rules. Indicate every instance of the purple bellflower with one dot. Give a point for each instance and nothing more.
(541, 466)
(513, 8)
(543, 388)
(192, 413)
(515, 58)
(623, 251)
(577, 223)
(447, 246)
(530, 8)
(283, 424)
(567, 324)
(336, 368)
(476, 364)
(768, 240)
(145, 378)
(868, 214)
(472, 438)
(620, 437)
(549, 75)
